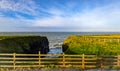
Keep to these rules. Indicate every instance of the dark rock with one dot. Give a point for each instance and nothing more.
(24, 44)
(40, 45)
(65, 47)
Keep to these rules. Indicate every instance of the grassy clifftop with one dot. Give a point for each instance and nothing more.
(23, 44)
(92, 44)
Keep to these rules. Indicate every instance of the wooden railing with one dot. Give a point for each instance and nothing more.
(61, 60)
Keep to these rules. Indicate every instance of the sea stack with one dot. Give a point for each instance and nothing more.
(24, 44)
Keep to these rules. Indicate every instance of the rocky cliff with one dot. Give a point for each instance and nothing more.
(24, 44)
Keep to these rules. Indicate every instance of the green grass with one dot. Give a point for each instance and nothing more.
(12, 44)
(92, 44)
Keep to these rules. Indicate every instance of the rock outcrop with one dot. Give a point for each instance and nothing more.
(24, 44)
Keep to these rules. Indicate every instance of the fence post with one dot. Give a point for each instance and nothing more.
(83, 61)
(14, 60)
(118, 62)
(63, 60)
(101, 63)
(39, 59)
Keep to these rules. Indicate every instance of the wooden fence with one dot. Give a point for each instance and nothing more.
(58, 60)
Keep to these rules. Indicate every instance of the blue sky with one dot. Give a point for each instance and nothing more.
(59, 15)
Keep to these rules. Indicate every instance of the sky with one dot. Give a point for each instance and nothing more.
(59, 15)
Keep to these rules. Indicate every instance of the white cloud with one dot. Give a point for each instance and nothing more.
(10, 22)
(22, 6)
(100, 19)
(13, 6)
(14, 25)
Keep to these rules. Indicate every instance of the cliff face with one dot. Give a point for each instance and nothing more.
(24, 44)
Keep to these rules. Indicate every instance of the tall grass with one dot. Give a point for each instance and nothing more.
(93, 44)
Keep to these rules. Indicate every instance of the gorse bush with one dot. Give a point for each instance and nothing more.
(92, 44)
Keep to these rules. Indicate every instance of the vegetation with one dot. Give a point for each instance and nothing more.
(92, 44)
(18, 44)
(40, 69)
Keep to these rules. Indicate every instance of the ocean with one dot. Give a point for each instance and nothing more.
(55, 38)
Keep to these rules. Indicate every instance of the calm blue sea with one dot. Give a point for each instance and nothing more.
(55, 38)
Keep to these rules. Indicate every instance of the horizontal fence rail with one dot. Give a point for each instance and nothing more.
(61, 60)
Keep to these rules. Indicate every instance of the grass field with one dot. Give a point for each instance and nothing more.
(93, 44)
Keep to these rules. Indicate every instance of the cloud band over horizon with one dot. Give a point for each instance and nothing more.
(59, 15)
